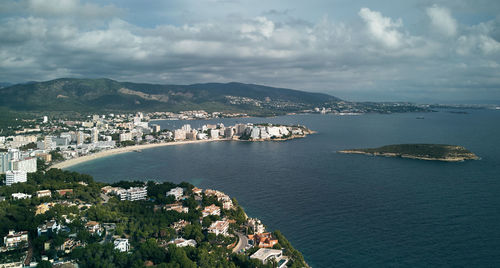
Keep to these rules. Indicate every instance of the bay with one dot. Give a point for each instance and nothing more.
(349, 210)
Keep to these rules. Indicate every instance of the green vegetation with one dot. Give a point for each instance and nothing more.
(93, 95)
(145, 223)
(10, 121)
(442, 152)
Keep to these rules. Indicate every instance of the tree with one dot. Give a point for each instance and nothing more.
(44, 264)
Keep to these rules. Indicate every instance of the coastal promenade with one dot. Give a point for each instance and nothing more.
(101, 154)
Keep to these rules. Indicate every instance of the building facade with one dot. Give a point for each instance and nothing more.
(15, 176)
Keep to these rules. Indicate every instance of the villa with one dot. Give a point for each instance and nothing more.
(211, 210)
(266, 254)
(219, 228)
(263, 240)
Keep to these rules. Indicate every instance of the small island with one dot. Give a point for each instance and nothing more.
(434, 152)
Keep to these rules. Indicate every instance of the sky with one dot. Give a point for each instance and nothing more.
(419, 51)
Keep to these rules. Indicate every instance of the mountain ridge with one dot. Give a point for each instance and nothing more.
(104, 94)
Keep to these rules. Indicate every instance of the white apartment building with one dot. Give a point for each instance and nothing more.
(15, 176)
(179, 134)
(134, 194)
(94, 135)
(219, 227)
(80, 138)
(125, 137)
(28, 165)
(13, 239)
(214, 133)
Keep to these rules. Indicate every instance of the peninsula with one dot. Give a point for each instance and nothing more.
(60, 218)
(435, 152)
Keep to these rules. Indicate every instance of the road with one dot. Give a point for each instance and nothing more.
(242, 242)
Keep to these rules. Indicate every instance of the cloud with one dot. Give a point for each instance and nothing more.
(370, 56)
(382, 28)
(59, 8)
(442, 21)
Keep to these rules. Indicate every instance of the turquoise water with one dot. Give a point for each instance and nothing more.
(350, 210)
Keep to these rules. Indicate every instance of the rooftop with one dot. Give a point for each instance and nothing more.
(264, 253)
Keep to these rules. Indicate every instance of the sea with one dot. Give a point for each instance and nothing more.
(344, 210)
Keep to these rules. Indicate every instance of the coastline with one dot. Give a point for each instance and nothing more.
(450, 159)
(101, 154)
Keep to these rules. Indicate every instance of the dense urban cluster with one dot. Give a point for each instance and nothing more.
(66, 218)
(59, 140)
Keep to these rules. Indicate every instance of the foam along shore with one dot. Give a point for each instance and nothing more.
(101, 154)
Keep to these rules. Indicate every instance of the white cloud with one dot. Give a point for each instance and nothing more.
(442, 21)
(258, 28)
(367, 56)
(382, 28)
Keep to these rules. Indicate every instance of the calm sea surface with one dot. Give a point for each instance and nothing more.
(350, 210)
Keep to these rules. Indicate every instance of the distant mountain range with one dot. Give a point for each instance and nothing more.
(89, 95)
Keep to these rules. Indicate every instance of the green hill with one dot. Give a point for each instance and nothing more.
(68, 94)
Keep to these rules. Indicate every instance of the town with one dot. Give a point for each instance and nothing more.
(55, 218)
(61, 218)
(56, 141)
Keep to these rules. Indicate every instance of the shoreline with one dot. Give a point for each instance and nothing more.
(82, 159)
(115, 151)
(455, 159)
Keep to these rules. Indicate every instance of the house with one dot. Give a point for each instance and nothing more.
(70, 244)
(64, 191)
(176, 207)
(263, 240)
(177, 192)
(93, 227)
(14, 239)
(42, 208)
(211, 210)
(179, 225)
(181, 242)
(111, 190)
(219, 227)
(266, 254)
(18, 196)
(43, 193)
(227, 203)
(48, 228)
(197, 191)
(256, 225)
(122, 244)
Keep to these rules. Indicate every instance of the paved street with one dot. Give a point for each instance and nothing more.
(242, 242)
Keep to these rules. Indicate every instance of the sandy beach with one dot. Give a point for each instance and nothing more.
(81, 159)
